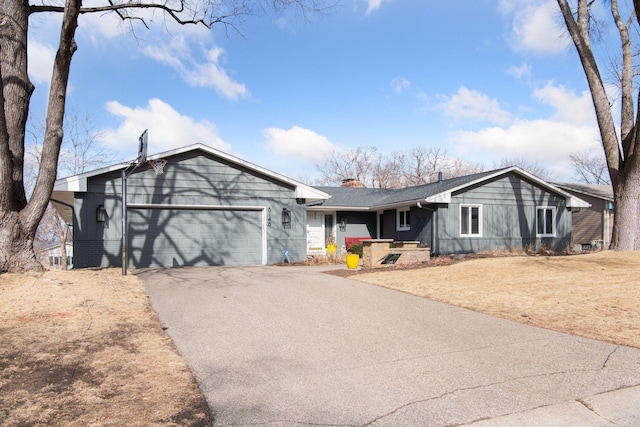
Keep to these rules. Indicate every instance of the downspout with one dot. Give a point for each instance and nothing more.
(433, 223)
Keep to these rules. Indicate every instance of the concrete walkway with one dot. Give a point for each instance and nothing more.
(292, 346)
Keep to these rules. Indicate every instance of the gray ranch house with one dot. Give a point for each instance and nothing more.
(208, 208)
(500, 210)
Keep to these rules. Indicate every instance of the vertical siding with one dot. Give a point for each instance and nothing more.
(359, 224)
(508, 218)
(192, 178)
(589, 223)
(420, 226)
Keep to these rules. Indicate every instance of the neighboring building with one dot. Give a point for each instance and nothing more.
(50, 254)
(592, 227)
(501, 210)
(208, 208)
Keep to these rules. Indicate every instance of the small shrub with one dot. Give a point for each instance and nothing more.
(356, 248)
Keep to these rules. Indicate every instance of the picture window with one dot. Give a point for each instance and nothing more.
(471, 220)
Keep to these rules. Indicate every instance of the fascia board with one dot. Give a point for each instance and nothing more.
(444, 197)
(322, 208)
(311, 194)
(76, 184)
(301, 190)
(572, 201)
(576, 202)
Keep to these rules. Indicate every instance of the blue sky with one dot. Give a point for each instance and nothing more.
(484, 79)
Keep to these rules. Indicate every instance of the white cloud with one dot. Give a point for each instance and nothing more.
(471, 104)
(40, 61)
(400, 84)
(521, 72)
(168, 129)
(550, 140)
(100, 26)
(373, 5)
(208, 73)
(298, 143)
(536, 25)
(544, 141)
(570, 108)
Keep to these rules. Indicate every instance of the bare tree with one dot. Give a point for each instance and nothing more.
(81, 151)
(421, 165)
(416, 166)
(388, 171)
(590, 167)
(360, 163)
(459, 167)
(81, 147)
(19, 215)
(531, 166)
(620, 150)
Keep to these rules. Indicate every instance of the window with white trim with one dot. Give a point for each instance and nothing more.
(403, 219)
(471, 220)
(545, 221)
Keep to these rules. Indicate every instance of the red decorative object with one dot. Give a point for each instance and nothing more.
(349, 241)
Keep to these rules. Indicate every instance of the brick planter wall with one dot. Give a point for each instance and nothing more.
(374, 252)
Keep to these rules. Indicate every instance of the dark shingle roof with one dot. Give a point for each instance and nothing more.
(596, 190)
(348, 197)
(355, 197)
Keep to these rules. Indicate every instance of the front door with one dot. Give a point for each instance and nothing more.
(315, 233)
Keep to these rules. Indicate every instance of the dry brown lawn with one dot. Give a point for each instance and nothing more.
(594, 296)
(84, 348)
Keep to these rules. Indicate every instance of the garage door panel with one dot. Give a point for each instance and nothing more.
(194, 237)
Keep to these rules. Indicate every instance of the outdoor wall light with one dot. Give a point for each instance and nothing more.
(286, 218)
(101, 214)
(343, 224)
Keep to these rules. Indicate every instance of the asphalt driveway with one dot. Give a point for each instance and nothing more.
(292, 346)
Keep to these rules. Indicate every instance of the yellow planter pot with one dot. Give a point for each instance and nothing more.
(331, 248)
(353, 260)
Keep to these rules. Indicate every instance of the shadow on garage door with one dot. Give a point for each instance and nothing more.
(159, 237)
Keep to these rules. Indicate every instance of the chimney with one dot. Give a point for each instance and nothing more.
(352, 183)
(439, 176)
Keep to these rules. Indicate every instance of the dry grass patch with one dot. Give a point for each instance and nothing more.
(85, 348)
(595, 296)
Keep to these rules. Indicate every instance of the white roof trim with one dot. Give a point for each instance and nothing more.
(572, 201)
(444, 197)
(322, 208)
(78, 183)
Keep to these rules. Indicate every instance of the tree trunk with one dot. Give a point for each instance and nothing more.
(16, 237)
(20, 218)
(63, 233)
(621, 153)
(16, 246)
(625, 219)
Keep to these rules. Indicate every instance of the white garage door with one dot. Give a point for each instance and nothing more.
(162, 237)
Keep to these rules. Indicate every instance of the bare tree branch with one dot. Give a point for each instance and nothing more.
(590, 167)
